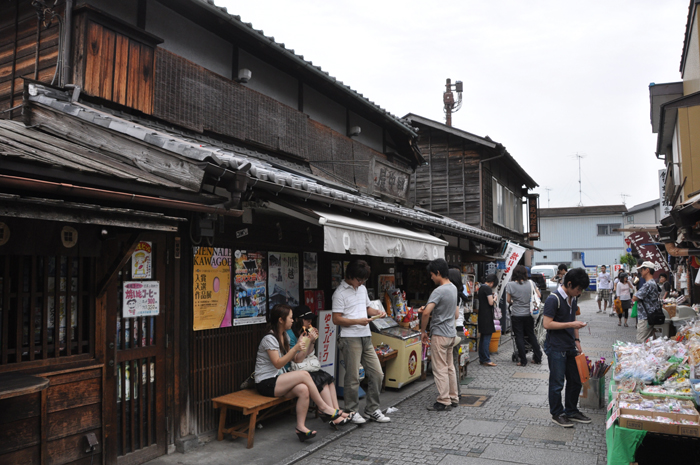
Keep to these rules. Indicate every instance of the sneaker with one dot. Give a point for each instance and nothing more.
(379, 417)
(579, 417)
(357, 419)
(454, 404)
(438, 407)
(599, 311)
(562, 421)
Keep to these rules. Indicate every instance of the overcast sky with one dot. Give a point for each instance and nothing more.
(548, 79)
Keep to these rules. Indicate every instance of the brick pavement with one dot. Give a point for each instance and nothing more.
(513, 426)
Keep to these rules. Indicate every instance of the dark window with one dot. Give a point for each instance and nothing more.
(607, 229)
(576, 255)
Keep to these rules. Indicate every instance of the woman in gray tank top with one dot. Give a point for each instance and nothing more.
(519, 295)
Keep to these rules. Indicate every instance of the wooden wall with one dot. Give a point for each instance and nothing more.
(21, 54)
(73, 408)
(505, 176)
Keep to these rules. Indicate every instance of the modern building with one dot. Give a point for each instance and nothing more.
(644, 215)
(570, 233)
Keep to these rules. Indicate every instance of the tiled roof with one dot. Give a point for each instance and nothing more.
(264, 172)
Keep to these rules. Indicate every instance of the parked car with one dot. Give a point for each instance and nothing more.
(549, 272)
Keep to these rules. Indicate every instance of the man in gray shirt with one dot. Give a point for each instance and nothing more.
(442, 305)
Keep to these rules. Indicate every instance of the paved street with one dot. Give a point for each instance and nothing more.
(512, 426)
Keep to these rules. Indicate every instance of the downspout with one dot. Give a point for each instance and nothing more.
(481, 186)
(66, 77)
(678, 252)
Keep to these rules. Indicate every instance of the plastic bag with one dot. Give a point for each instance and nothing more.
(634, 311)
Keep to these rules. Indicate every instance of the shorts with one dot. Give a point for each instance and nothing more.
(266, 387)
(321, 379)
(603, 294)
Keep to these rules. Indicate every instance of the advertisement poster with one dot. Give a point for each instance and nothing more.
(386, 282)
(211, 288)
(336, 273)
(649, 251)
(140, 298)
(314, 300)
(326, 342)
(283, 278)
(310, 270)
(250, 304)
(141, 261)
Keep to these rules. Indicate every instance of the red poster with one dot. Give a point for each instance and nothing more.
(314, 300)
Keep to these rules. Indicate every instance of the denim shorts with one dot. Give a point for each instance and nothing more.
(266, 387)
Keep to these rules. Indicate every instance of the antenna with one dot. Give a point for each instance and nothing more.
(548, 189)
(580, 199)
(624, 196)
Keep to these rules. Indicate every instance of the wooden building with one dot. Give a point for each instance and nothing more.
(135, 126)
(471, 179)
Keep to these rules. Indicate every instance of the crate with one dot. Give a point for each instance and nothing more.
(695, 389)
(679, 430)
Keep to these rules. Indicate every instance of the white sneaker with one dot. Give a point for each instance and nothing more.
(357, 419)
(379, 417)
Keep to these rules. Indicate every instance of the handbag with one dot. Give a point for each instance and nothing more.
(656, 317)
(311, 363)
(535, 301)
(618, 306)
(633, 314)
(497, 314)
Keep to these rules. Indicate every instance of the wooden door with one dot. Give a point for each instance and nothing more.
(135, 388)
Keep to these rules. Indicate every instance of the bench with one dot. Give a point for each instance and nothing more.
(248, 402)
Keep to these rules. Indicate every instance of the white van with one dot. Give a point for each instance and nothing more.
(549, 272)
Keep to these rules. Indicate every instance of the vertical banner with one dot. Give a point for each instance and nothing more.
(211, 288)
(532, 217)
(250, 298)
(283, 278)
(649, 251)
(664, 204)
(310, 270)
(326, 341)
(514, 253)
(141, 261)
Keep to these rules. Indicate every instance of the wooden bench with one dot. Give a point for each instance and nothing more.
(249, 402)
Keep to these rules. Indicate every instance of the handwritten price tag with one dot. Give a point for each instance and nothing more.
(610, 405)
(612, 419)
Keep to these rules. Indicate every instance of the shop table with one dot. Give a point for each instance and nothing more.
(382, 361)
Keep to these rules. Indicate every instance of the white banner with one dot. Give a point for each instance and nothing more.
(326, 341)
(514, 253)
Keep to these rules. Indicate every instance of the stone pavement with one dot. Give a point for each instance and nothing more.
(512, 426)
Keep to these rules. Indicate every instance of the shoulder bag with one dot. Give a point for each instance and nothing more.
(311, 363)
(534, 300)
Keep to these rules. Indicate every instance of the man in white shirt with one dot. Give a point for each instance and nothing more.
(604, 289)
(351, 311)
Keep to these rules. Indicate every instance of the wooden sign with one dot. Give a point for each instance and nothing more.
(387, 179)
(532, 217)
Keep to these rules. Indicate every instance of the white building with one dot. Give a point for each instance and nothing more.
(647, 214)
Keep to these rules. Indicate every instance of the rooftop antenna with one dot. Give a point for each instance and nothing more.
(624, 196)
(548, 189)
(448, 99)
(580, 198)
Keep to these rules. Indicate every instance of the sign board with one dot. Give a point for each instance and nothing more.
(327, 332)
(387, 179)
(514, 253)
(665, 206)
(140, 298)
(649, 251)
(211, 288)
(532, 217)
(249, 297)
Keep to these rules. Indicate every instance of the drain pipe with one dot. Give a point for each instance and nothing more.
(481, 186)
(678, 252)
(66, 78)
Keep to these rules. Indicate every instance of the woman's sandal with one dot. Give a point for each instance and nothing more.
(325, 417)
(304, 436)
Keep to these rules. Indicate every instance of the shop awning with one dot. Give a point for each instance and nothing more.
(357, 236)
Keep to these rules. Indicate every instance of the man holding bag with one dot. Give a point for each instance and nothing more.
(648, 304)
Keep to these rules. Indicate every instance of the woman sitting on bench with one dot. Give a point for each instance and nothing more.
(272, 381)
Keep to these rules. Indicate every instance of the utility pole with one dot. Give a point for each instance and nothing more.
(580, 198)
(448, 99)
(547, 189)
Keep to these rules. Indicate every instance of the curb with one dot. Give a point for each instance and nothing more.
(332, 437)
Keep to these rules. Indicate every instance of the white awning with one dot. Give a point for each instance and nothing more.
(343, 234)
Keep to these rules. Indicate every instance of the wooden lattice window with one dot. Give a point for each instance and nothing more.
(47, 309)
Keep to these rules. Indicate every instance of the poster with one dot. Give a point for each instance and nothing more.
(386, 282)
(314, 300)
(513, 254)
(283, 278)
(310, 270)
(211, 288)
(336, 273)
(140, 298)
(326, 342)
(141, 261)
(250, 303)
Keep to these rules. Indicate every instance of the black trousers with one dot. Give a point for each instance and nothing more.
(525, 326)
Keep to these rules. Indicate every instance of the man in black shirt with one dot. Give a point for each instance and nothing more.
(485, 319)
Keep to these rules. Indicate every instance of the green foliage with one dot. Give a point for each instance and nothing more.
(628, 259)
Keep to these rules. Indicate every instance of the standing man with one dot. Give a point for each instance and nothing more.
(647, 298)
(442, 305)
(562, 345)
(604, 284)
(351, 311)
(561, 271)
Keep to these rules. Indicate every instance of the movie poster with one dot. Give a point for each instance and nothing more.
(336, 273)
(211, 286)
(310, 270)
(283, 279)
(250, 291)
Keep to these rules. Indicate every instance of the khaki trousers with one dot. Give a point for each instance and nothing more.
(444, 369)
(644, 331)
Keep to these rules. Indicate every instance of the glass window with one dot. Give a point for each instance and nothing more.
(608, 229)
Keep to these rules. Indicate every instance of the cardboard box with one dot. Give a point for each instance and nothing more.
(681, 430)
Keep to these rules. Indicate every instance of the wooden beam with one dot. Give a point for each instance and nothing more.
(119, 262)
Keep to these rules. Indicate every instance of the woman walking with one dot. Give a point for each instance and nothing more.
(485, 319)
(519, 293)
(624, 291)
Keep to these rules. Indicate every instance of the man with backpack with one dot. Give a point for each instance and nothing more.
(562, 345)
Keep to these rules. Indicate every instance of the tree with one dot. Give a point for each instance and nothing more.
(628, 259)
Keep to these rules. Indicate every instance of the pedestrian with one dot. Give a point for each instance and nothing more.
(485, 318)
(442, 307)
(647, 299)
(561, 271)
(561, 345)
(624, 291)
(604, 283)
(273, 354)
(519, 294)
(665, 285)
(462, 299)
(351, 311)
